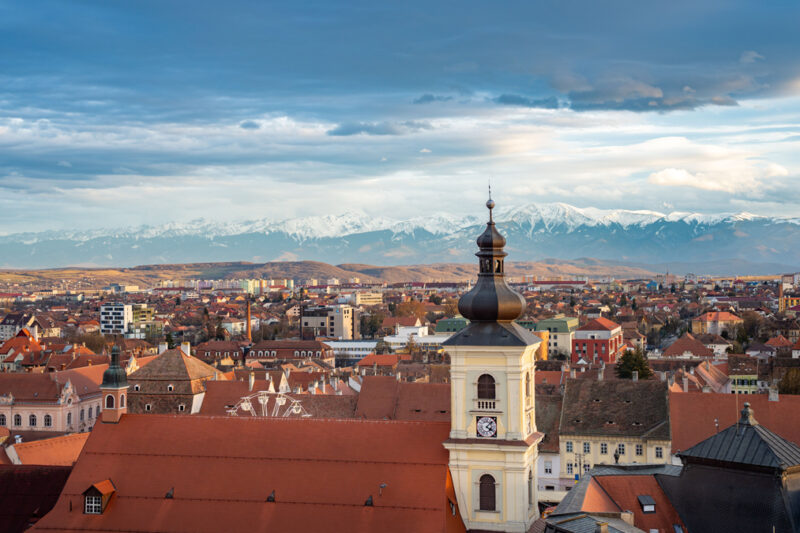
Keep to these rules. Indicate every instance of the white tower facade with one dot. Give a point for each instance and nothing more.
(493, 439)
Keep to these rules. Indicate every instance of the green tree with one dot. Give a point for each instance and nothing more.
(790, 382)
(631, 361)
(435, 299)
(623, 301)
(634, 305)
(170, 341)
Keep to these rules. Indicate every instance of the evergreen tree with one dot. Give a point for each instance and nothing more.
(170, 341)
(631, 361)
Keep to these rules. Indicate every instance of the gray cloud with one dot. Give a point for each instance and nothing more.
(249, 125)
(429, 98)
(378, 128)
(524, 101)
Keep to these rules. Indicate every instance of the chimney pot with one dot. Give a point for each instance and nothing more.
(635, 375)
(572, 373)
(685, 384)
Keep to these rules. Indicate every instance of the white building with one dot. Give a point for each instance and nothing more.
(115, 318)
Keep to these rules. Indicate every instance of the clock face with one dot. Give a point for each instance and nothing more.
(487, 426)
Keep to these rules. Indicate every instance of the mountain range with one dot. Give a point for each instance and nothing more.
(679, 242)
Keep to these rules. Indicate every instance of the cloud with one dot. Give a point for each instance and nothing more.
(378, 128)
(523, 101)
(425, 151)
(429, 98)
(249, 125)
(750, 56)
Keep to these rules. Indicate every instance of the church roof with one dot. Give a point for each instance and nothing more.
(493, 334)
(275, 472)
(174, 365)
(746, 443)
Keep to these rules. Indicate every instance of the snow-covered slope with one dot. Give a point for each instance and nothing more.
(534, 231)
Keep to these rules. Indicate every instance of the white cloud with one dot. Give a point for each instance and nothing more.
(750, 56)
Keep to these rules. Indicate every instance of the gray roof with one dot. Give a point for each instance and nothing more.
(746, 443)
(493, 334)
(587, 523)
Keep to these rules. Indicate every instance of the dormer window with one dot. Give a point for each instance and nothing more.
(170, 387)
(96, 497)
(647, 503)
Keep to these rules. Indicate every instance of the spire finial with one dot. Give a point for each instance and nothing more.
(490, 203)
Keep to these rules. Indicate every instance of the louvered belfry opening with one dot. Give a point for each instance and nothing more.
(486, 387)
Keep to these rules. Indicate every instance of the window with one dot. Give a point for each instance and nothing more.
(569, 468)
(147, 407)
(32, 420)
(2, 420)
(659, 452)
(82, 415)
(69, 419)
(181, 407)
(122, 401)
(639, 449)
(136, 387)
(604, 448)
(621, 449)
(548, 467)
(528, 386)
(587, 467)
(569, 446)
(48, 421)
(587, 447)
(486, 387)
(97, 411)
(487, 490)
(170, 388)
(109, 402)
(93, 505)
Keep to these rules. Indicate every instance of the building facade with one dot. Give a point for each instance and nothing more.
(115, 318)
(600, 339)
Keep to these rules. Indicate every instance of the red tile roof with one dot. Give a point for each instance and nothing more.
(625, 490)
(693, 415)
(599, 324)
(688, 344)
(386, 359)
(27, 493)
(718, 316)
(222, 483)
(384, 398)
(57, 451)
(779, 342)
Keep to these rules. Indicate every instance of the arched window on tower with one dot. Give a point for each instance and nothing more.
(487, 493)
(486, 387)
(109, 402)
(498, 266)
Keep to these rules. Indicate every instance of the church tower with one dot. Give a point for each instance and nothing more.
(493, 439)
(114, 390)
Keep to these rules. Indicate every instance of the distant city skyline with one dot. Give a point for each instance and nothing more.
(148, 113)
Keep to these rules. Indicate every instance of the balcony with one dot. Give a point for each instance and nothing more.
(482, 404)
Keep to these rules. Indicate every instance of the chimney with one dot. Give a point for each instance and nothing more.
(662, 375)
(685, 383)
(583, 368)
(691, 370)
(572, 373)
(398, 377)
(635, 375)
(17, 439)
(773, 395)
(251, 380)
(601, 527)
(249, 332)
(324, 386)
(627, 517)
(186, 348)
(600, 374)
(162, 347)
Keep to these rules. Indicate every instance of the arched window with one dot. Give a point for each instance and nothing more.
(48, 421)
(122, 401)
(528, 386)
(97, 411)
(486, 387)
(69, 419)
(109, 402)
(32, 420)
(83, 415)
(136, 387)
(487, 490)
(170, 388)
(2, 420)
(17, 420)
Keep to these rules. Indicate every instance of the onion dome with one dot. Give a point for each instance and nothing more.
(114, 377)
(491, 299)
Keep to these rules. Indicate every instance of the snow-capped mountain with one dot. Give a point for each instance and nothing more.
(533, 231)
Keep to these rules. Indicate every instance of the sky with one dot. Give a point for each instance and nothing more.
(116, 114)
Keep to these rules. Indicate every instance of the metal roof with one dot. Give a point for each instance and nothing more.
(747, 443)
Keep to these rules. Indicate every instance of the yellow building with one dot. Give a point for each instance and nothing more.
(743, 372)
(493, 439)
(605, 422)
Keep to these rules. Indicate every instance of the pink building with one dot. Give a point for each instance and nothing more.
(599, 339)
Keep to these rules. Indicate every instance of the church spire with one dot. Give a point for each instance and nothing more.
(491, 299)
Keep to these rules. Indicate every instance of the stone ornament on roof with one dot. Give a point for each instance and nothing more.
(258, 404)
